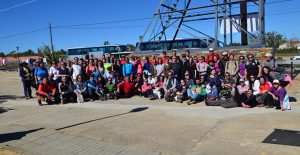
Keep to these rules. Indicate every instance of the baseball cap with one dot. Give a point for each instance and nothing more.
(211, 49)
(276, 82)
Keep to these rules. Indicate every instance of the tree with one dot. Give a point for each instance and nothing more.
(275, 39)
(2, 54)
(106, 42)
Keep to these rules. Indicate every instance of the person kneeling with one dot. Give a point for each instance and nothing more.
(125, 88)
(249, 100)
(93, 88)
(147, 90)
(198, 93)
(66, 91)
(110, 89)
(80, 89)
(47, 91)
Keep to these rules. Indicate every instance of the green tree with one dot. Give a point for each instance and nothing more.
(106, 43)
(2, 54)
(274, 39)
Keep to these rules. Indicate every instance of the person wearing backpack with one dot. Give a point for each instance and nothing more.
(232, 67)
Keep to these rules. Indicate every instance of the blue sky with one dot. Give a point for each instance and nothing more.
(281, 17)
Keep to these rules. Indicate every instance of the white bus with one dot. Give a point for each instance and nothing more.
(96, 51)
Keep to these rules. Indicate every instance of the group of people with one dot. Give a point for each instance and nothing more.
(217, 78)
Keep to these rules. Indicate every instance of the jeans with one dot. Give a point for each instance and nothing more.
(189, 92)
(197, 97)
(27, 88)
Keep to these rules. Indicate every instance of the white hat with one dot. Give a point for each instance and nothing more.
(268, 55)
(224, 53)
(149, 74)
(211, 49)
(276, 81)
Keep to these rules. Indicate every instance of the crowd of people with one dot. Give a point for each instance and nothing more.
(219, 78)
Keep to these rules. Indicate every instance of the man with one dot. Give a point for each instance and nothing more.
(76, 68)
(270, 62)
(66, 91)
(175, 67)
(25, 74)
(110, 89)
(211, 54)
(253, 67)
(222, 63)
(164, 57)
(127, 68)
(228, 87)
(125, 88)
(170, 87)
(184, 65)
(189, 84)
(46, 90)
(188, 54)
(249, 100)
(198, 93)
(109, 74)
(232, 67)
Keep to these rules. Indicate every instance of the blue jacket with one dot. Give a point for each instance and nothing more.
(127, 69)
(92, 84)
(40, 74)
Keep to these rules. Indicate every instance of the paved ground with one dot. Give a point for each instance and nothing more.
(139, 126)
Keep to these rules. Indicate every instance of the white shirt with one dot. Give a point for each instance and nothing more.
(255, 87)
(151, 81)
(53, 71)
(77, 70)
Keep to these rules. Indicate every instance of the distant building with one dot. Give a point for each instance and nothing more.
(294, 44)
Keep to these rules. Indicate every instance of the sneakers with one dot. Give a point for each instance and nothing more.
(40, 103)
(80, 99)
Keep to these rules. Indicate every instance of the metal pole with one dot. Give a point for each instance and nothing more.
(262, 21)
(180, 23)
(292, 68)
(51, 41)
(243, 12)
(230, 9)
(216, 23)
(224, 18)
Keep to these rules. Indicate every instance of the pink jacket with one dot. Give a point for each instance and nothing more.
(146, 87)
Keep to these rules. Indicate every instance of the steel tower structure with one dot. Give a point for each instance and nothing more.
(173, 17)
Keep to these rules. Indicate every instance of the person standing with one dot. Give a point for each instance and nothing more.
(76, 68)
(40, 73)
(253, 67)
(53, 70)
(127, 68)
(25, 74)
(232, 67)
(176, 68)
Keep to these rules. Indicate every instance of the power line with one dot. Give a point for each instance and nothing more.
(20, 34)
(102, 23)
(16, 6)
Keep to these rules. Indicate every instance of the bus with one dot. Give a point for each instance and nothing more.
(178, 44)
(96, 51)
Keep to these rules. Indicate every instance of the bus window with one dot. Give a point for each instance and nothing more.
(180, 44)
(174, 46)
(93, 49)
(196, 44)
(85, 50)
(203, 44)
(187, 44)
(101, 49)
(111, 49)
(123, 48)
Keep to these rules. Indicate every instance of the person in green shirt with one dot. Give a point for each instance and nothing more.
(110, 89)
(198, 93)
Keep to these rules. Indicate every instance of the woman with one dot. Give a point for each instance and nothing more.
(25, 74)
(181, 94)
(270, 75)
(101, 68)
(216, 65)
(249, 100)
(242, 73)
(166, 68)
(192, 67)
(202, 66)
(40, 73)
(80, 89)
(159, 90)
(63, 71)
(254, 85)
(214, 80)
(263, 89)
(147, 90)
(159, 68)
(90, 68)
(276, 96)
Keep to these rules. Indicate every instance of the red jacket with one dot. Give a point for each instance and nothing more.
(45, 89)
(128, 87)
(211, 57)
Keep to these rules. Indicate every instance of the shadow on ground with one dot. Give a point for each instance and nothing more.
(81, 123)
(284, 137)
(3, 110)
(16, 135)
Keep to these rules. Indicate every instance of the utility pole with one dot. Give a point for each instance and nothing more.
(262, 21)
(51, 41)
(216, 24)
